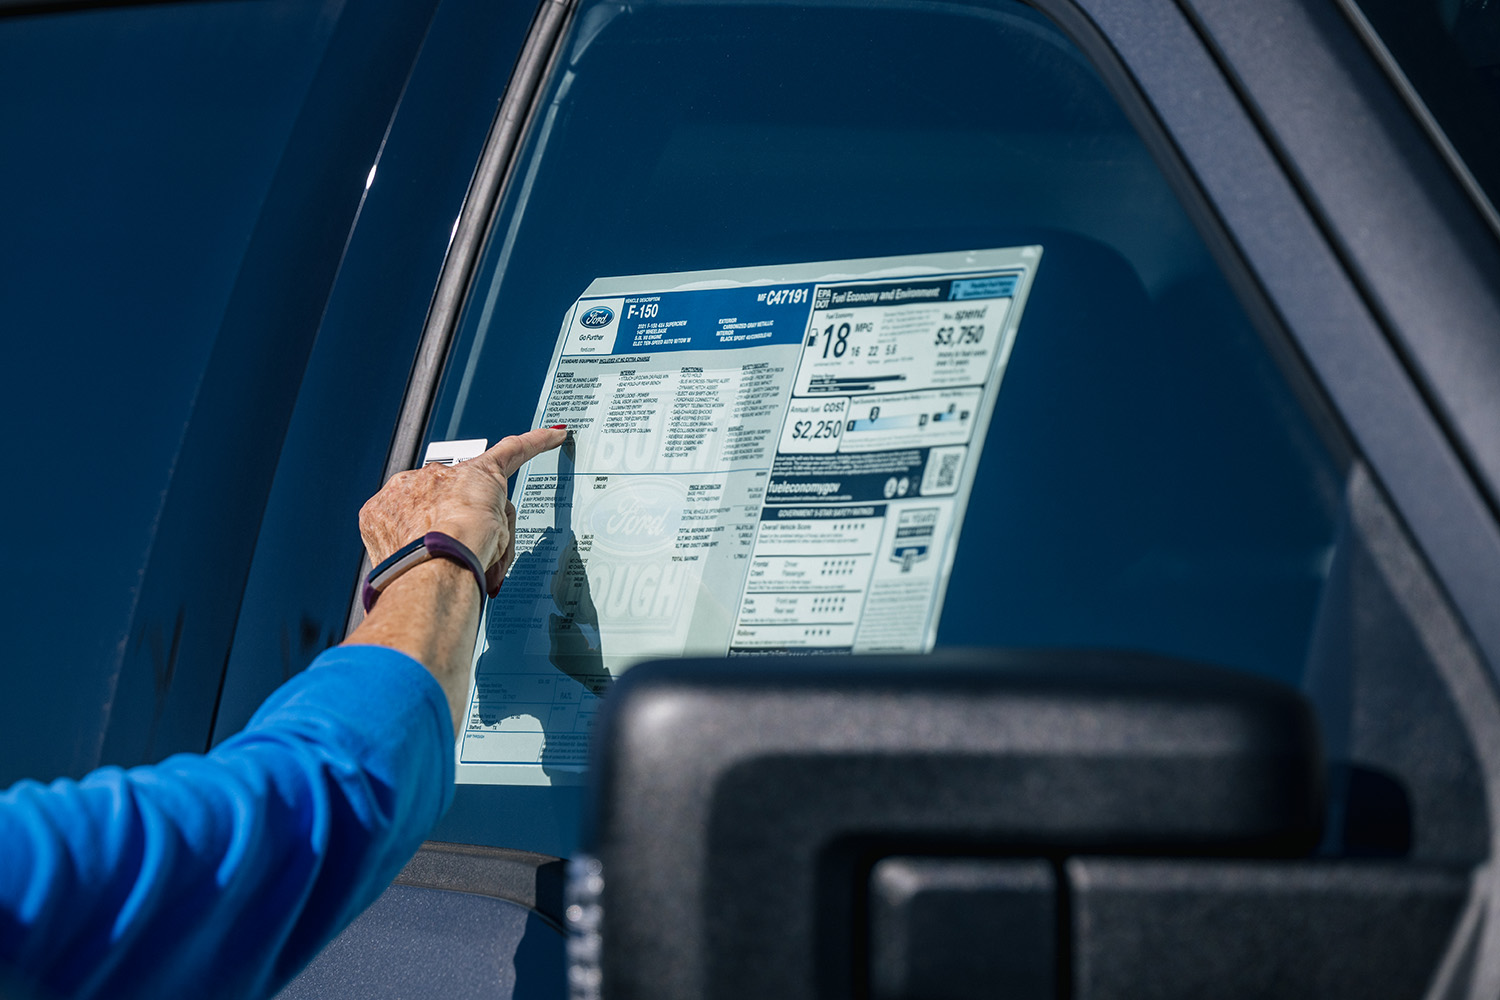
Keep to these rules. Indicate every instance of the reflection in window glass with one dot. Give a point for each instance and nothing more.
(1449, 52)
(1148, 480)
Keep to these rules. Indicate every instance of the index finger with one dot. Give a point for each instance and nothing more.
(510, 453)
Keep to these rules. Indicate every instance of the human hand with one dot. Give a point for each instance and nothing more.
(466, 501)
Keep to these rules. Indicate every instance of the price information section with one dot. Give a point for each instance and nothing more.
(761, 461)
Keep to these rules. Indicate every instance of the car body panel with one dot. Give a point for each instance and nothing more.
(223, 470)
(144, 182)
(331, 460)
(437, 943)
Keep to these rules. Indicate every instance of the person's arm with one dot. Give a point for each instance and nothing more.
(221, 875)
(431, 611)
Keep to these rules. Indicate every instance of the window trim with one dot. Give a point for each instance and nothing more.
(512, 121)
(1418, 107)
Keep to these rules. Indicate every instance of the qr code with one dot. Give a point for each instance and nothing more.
(947, 471)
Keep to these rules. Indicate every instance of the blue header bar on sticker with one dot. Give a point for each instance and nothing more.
(994, 286)
(890, 293)
(711, 318)
(914, 291)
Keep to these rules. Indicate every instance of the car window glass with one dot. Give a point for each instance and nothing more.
(1148, 481)
(1448, 51)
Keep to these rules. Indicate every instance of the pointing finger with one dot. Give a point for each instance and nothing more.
(510, 453)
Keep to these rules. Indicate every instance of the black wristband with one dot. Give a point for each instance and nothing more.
(433, 545)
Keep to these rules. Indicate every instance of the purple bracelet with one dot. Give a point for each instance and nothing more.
(433, 545)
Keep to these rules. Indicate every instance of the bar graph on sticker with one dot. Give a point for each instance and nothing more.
(912, 420)
(880, 419)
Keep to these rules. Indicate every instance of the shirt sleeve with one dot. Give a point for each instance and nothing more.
(223, 874)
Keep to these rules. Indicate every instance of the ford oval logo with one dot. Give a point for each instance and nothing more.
(597, 317)
(639, 517)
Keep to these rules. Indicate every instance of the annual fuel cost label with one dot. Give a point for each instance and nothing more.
(762, 460)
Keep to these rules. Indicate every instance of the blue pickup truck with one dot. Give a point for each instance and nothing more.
(255, 255)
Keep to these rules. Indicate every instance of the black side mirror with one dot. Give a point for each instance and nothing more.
(919, 826)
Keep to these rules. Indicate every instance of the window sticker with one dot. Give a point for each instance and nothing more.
(761, 461)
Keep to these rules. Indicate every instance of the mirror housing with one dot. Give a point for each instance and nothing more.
(744, 808)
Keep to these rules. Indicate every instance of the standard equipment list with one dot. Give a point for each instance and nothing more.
(761, 461)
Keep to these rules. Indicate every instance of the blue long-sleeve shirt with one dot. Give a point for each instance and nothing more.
(221, 875)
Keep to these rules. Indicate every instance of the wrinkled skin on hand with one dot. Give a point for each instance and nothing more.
(467, 501)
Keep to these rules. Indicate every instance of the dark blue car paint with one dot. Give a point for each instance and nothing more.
(143, 146)
(437, 943)
(229, 225)
(229, 452)
(340, 430)
(294, 606)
